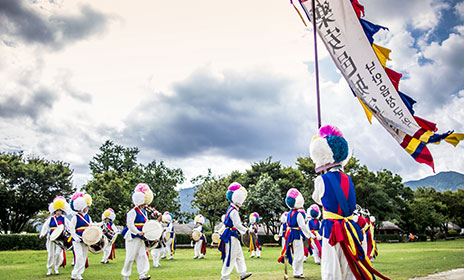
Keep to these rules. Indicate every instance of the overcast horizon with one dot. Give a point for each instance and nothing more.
(213, 84)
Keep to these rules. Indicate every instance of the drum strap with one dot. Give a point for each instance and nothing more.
(83, 219)
(141, 213)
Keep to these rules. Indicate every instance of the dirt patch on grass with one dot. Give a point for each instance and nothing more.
(455, 274)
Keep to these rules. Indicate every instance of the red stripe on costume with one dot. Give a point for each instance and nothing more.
(63, 264)
(345, 183)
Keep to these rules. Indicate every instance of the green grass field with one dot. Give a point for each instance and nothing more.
(398, 261)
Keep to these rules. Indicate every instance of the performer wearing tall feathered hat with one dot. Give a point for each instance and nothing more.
(229, 246)
(342, 253)
(200, 245)
(108, 217)
(133, 234)
(314, 224)
(80, 203)
(254, 242)
(170, 237)
(297, 230)
(56, 256)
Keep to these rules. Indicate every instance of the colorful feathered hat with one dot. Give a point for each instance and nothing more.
(236, 194)
(294, 199)
(108, 214)
(80, 201)
(142, 195)
(58, 203)
(199, 219)
(167, 217)
(314, 211)
(328, 148)
(254, 218)
(283, 218)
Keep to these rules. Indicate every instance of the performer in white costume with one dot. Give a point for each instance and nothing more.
(108, 217)
(254, 244)
(296, 231)
(133, 234)
(342, 255)
(80, 203)
(200, 245)
(314, 225)
(170, 237)
(56, 255)
(231, 251)
(283, 228)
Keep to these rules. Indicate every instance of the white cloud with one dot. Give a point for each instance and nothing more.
(460, 9)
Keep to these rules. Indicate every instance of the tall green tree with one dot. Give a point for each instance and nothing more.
(265, 199)
(210, 196)
(28, 185)
(116, 173)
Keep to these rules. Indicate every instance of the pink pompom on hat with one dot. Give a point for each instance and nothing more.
(293, 193)
(234, 186)
(142, 187)
(77, 195)
(330, 130)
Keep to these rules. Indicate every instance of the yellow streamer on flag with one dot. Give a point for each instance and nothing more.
(382, 53)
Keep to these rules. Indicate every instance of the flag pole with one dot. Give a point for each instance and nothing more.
(316, 65)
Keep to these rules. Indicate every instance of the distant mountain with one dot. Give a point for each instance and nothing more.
(186, 197)
(443, 181)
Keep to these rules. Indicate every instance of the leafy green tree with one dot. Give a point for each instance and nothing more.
(265, 199)
(116, 173)
(210, 196)
(28, 185)
(427, 212)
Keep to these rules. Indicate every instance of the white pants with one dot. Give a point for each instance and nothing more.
(107, 252)
(156, 254)
(315, 252)
(135, 251)
(283, 242)
(168, 250)
(55, 255)
(258, 253)
(236, 258)
(333, 264)
(81, 251)
(298, 256)
(197, 248)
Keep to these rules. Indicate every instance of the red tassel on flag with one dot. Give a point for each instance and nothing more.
(358, 8)
(394, 77)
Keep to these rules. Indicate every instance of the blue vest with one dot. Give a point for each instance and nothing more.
(81, 225)
(53, 225)
(110, 226)
(314, 224)
(332, 188)
(292, 224)
(139, 221)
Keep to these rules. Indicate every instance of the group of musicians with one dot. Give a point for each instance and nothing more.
(341, 248)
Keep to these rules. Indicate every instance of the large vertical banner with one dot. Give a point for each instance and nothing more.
(344, 36)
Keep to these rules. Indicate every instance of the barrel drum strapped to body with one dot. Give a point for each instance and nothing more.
(94, 238)
(62, 237)
(153, 233)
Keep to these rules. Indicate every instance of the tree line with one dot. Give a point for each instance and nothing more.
(28, 184)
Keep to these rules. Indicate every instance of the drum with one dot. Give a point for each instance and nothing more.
(246, 238)
(153, 232)
(195, 235)
(110, 235)
(62, 237)
(216, 237)
(94, 238)
(276, 237)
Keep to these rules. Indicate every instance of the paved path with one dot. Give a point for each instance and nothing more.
(455, 274)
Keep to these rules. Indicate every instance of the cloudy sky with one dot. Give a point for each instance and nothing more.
(212, 84)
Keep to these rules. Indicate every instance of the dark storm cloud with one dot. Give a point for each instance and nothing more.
(237, 115)
(19, 21)
(15, 106)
